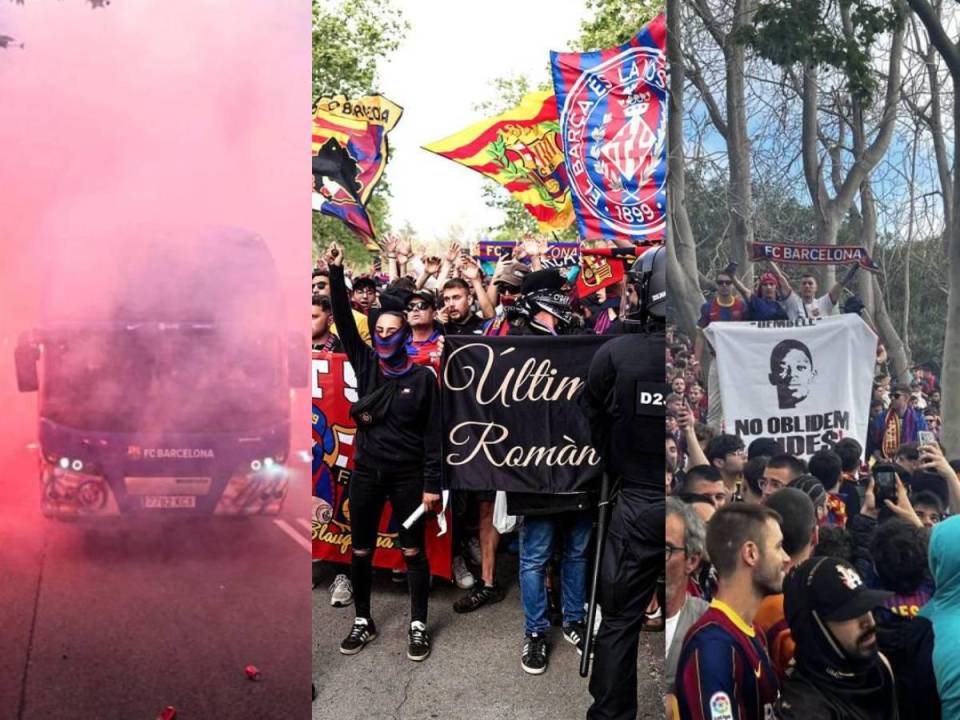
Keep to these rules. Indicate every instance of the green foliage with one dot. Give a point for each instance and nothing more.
(613, 22)
(801, 32)
(349, 38)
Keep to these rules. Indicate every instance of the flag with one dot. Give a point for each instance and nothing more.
(521, 149)
(336, 191)
(360, 127)
(598, 272)
(613, 107)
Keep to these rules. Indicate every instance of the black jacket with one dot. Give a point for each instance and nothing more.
(409, 438)
(908, 644)
(625, 400)
(805, 698)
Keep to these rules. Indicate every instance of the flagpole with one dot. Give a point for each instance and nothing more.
(603, 513)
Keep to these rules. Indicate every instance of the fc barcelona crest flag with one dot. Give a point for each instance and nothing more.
(336, 190)
(613, 106)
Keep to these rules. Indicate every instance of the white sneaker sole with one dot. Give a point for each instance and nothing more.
(341, 603)
(533, 671)
(344, 651)
(418, 658)
(465, 585)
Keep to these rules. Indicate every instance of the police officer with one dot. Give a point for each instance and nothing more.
(624, 399)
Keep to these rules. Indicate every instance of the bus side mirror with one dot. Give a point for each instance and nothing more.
(298, 360)
(25, 357)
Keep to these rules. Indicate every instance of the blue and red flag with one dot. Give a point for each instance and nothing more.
(613, 119)
(336, 190)
(358, 127)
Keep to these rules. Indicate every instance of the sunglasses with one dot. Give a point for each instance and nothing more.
(505, 289)
(724, 282)
(413, 307)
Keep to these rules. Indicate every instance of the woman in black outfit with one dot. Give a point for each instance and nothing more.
(397, 454)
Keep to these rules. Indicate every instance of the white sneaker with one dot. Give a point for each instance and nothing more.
(473, 549)
(461, 575)
(341, 591)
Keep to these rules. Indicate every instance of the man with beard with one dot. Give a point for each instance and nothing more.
(726, 453)
(838, 672)
(621, 372)
(725, 672)
(457, 316)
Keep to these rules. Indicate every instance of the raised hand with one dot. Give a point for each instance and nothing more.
(334, 255)
(431, 265)
(453, 252)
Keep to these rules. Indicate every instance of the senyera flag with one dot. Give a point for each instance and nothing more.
(613, 119)
(521, 149)
(360, 127)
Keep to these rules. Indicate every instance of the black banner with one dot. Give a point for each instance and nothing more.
(512, 419)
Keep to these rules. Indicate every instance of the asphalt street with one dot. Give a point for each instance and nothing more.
(121, 619)
(473, 671)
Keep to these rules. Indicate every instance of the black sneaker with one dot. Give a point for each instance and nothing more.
(575, 633)
(480, 595)
(418, 647)
(362, 632)
(534, 657)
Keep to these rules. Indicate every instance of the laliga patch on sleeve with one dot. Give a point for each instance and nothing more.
(720, 708)
(651, 399)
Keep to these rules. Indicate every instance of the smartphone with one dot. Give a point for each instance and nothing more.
(926, 437)
(377, 263)
(885, 487)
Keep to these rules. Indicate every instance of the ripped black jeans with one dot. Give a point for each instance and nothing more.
(369, 490)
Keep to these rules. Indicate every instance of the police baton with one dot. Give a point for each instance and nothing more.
(602, 516)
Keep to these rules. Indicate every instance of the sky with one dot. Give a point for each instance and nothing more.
(451, 54)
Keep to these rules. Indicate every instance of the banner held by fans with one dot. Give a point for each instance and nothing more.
(512, 416)
(613, 106)
(805, 383)
(814, 254)
(334, 436)
(521, 149)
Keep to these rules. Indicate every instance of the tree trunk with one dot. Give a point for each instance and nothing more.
(683, 287)
(739, 188)
(950, 379)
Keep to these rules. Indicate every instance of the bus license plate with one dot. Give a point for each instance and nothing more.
(162, 502)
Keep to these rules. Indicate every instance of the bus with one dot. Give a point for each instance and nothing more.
(163, 380)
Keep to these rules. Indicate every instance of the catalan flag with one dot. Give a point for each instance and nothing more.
(613, 107)
(521, 149)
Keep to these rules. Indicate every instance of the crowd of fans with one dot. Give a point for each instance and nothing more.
(824, 587)
(448, 295)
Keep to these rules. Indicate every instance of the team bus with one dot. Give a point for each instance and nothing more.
(164, 381)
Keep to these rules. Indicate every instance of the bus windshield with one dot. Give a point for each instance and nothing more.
(151, 378)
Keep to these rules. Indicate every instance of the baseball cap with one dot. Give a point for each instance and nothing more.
(830, 587)
(511, 272)
(427, 296)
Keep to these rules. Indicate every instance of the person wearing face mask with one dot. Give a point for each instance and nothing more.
(397, 456)
(839, 674)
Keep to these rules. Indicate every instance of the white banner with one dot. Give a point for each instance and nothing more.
(806, 383)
